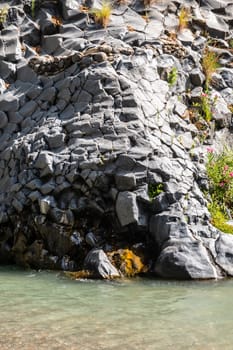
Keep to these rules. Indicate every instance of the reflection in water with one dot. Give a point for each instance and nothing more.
(47, 311)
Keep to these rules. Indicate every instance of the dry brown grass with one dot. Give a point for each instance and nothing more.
(209, 64)
(184, 17)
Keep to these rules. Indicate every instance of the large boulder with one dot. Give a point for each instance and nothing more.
(98, 263)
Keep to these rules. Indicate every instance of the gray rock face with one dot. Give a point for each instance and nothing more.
(185, 259)
(98, 143)
(224, 257)
(126, 208)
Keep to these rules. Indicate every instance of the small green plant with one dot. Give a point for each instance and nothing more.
(102, 15)
(209, 65)
(172, 76)
(230, 107)
(205, 106)
(154, 190)
(3, 14)
(220, 173)
(183, 18)
(33, 8)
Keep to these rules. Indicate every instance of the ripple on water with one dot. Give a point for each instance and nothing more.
(44, 310)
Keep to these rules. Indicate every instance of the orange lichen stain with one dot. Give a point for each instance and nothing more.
(23, 48)
(57, 21)
(37, 49)
(76, 275)
(130, 28)
(7, 85)
(127, 262)
(84, 9)
(146, 18)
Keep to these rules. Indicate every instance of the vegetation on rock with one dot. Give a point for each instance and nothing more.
(102, 15)
(154, 190)
(172, 76)
(204, 106)
(127, 262)
(220, 172)
(209, 64)
(3, 14)
(183, 18)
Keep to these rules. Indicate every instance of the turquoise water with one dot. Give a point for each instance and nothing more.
(45, 310)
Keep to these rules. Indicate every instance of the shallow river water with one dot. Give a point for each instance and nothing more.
(45, 310)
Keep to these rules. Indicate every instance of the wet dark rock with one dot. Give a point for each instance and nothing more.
(185, 259)
(98, 263)
(197, 77)
(9, 102)
(3, 119)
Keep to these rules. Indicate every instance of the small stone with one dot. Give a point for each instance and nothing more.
(28, 109)
(46, 204)
(55, 141)
(8, 102)
(197, 77)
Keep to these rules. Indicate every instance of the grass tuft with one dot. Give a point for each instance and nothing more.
(183, 18)
(209, 64)
(3, 14)
(102, 15)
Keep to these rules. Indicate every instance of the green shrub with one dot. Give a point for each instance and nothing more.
(220, 173)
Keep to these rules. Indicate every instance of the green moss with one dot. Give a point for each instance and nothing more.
(154, 190)
(172, 76)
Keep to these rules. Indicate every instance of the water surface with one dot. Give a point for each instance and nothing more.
(45, 310)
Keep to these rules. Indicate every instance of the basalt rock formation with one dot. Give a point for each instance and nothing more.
(98, 150)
